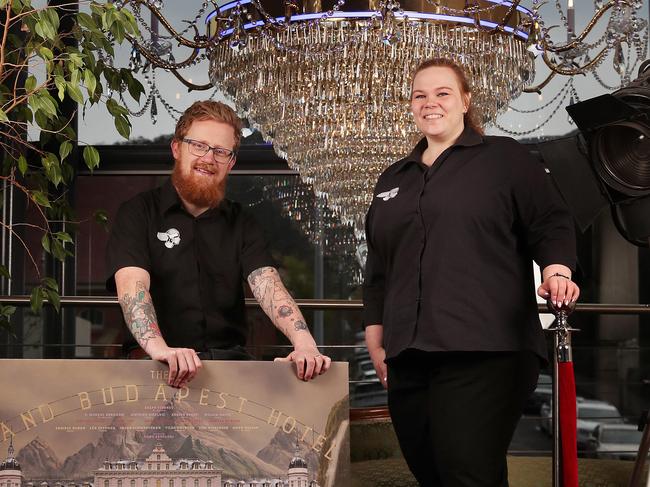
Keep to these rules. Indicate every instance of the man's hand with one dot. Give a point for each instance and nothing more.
(133, 292)
(310, 363)
(184, 364)
(283, 311)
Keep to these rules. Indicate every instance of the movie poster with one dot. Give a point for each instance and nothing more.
(117, 424)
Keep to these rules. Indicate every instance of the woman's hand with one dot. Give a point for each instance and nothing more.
(558, 286)
(374, 342)
(378, 356)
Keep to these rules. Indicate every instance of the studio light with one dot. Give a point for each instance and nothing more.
(616, 129)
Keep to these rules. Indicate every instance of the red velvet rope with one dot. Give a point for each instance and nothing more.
(568, 424)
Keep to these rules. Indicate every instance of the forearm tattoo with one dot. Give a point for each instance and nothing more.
(140, 315)
(275, 300)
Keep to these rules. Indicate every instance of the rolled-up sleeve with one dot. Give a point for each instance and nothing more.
(127, 243)
(255, 251)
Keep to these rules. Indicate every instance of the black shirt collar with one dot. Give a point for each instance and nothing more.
(468, 138)
(169, 200)
(169, 197)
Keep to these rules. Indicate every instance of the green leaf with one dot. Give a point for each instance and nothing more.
(22, 164)
(50, 283)
(44, 27)
(67, 172)
(44, 103)
(52, 168)
(97, 8)
(91, 157)
(36, 299)
(52, 17)
(7, 310)
(42, 120)
(133, 22)
(59, 81)
(101, 218)
(3, 116)
(109, 17)
(41, 199)
(64, 149)
(54, 299)
(119, 32)
(4, 272)
(30, 83)
(46, 53)
(135, 88)
(123, 126)
(58, 250)
(87, 22)
(75, 93)
(63, 237)
(54, 175)
(75, 78)
(45, 243)
(114, 108)
(75, 59)
(90, 82)
(48, 160)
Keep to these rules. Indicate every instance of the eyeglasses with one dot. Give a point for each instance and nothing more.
(219, 154)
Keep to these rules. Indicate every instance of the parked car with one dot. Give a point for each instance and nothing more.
(590, 412)
(542, 394)
(618, 441)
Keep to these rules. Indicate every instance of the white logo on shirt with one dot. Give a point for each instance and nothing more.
(386, 195)
(171, 237)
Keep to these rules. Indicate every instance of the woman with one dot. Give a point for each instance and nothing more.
(449, 305)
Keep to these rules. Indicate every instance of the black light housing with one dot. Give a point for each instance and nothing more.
(616, 128)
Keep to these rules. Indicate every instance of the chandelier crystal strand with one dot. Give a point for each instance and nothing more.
(318, 223)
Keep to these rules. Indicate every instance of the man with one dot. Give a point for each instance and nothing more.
(178, 254)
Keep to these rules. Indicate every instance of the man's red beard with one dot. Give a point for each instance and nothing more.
(197, 190)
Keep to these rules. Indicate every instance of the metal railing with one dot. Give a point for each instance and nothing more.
(326, 304)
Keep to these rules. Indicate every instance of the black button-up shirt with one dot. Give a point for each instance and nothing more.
(450, 248)
(197, 265)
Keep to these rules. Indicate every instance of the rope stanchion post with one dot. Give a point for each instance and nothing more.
(565, 464)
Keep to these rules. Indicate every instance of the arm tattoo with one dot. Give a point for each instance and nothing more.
(285, 311)
(140, 315)
(274, 299)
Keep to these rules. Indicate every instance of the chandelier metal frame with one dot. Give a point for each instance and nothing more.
(328, 86)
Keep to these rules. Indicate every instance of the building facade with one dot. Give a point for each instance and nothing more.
(160, 470)
(10, 472)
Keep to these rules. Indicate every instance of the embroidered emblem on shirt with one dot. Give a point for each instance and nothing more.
(386, 195)
(171, 237)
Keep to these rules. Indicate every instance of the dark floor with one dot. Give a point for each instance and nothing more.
(377, 462)
(522, 472)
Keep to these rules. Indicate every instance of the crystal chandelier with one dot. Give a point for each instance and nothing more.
(327, 82)
(331, 89)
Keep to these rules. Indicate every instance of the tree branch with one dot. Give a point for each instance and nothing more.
(5, 33)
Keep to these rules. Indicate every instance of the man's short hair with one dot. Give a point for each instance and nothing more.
(209, 110)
